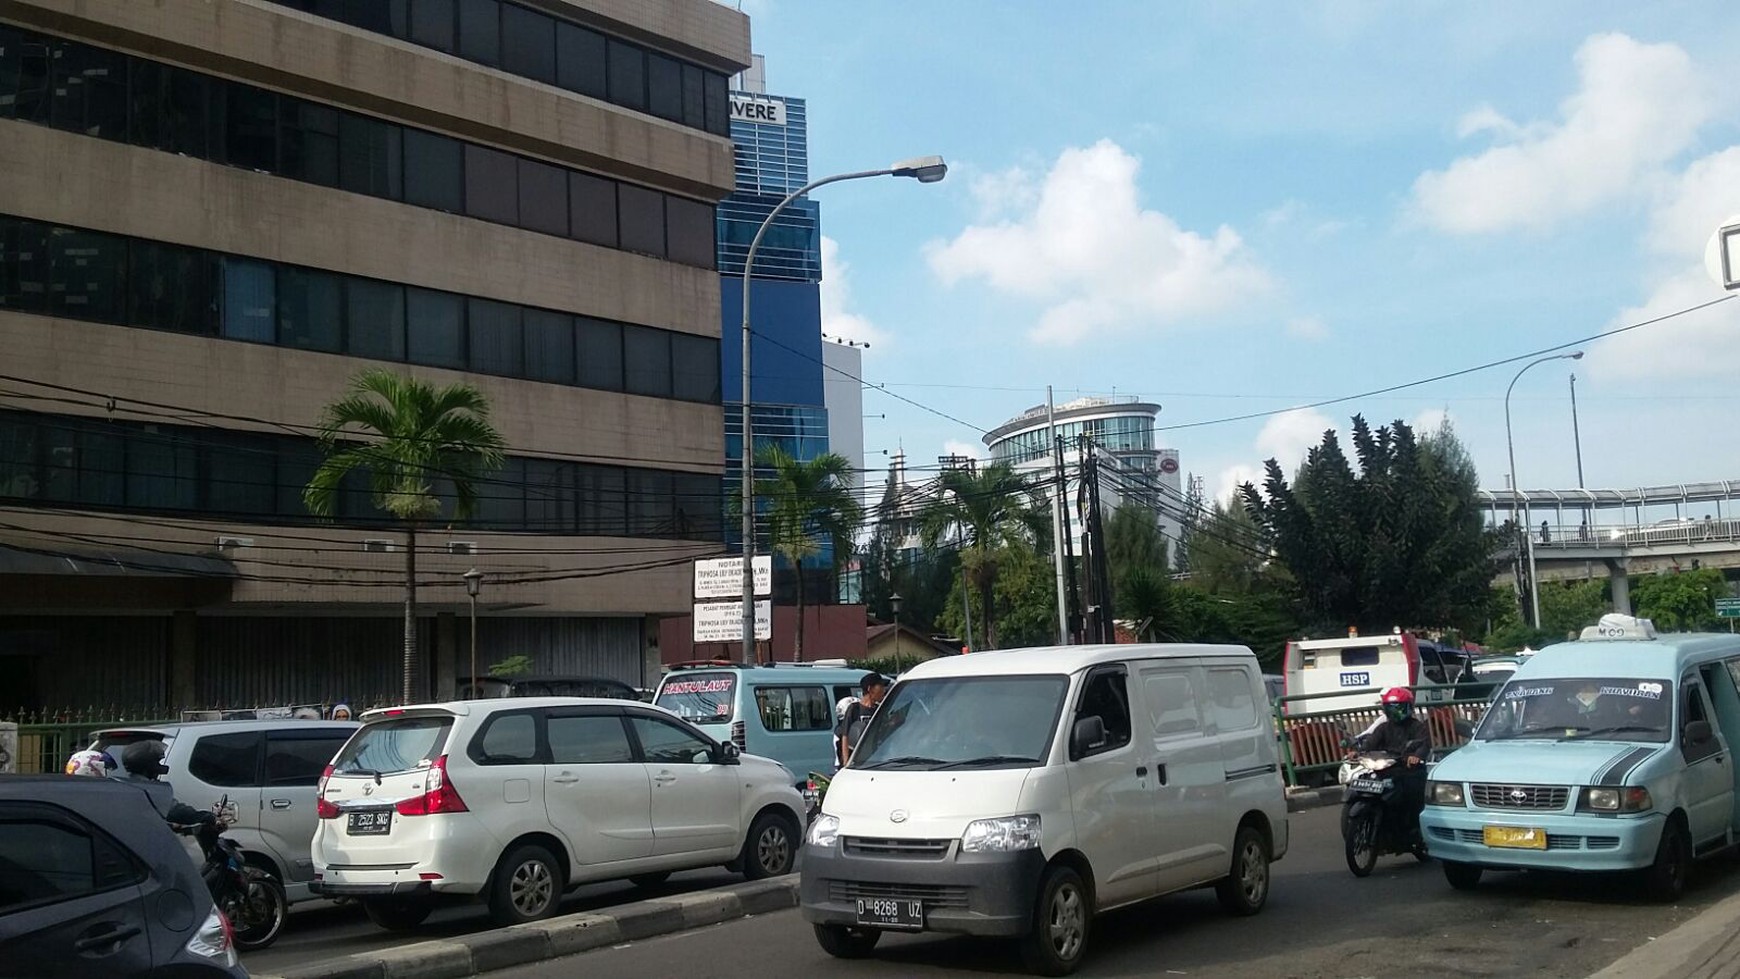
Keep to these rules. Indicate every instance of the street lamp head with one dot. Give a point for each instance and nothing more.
(927, 169)
(1577, 356)
(894, 601)
(473, 582)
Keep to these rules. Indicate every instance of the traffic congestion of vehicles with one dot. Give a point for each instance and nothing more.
(1018, 794)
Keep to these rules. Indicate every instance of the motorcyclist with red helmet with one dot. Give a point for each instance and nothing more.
(1402, 735)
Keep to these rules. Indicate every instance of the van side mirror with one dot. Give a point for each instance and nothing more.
(729, 754)
(1089, 733)
(1697, 733)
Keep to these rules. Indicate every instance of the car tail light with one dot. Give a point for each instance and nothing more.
(738, 737)
(439, 794)
(322, 808)
(215, 939)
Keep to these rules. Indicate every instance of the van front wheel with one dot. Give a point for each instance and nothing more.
(1054, 945)
(846, 943)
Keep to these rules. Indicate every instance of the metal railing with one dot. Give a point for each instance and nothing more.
(1569, 535)
(1311, 740)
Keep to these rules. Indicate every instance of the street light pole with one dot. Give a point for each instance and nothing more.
(894, 600)
(1516, 488)
(924, 169)
(473, 585)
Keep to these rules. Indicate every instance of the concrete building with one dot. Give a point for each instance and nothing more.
(843, 395)
(1122, 429)
(217, 212)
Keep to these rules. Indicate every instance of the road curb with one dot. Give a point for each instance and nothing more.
(1706, 947)
(503, 948)
(1300, 799)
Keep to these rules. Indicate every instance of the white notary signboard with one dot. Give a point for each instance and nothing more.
(723, 621)
(722, 577)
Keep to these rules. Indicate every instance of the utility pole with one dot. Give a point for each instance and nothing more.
(1057, 517)
(1098, 575)
(1074, 630)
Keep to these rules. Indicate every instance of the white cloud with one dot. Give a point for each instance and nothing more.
(1284, 438)
(1429, 421)
(1087, 250)
(999, 193)
(837, 295)
(1700, 345)
(1694, 205)
(1307, 328)
(1637, 107)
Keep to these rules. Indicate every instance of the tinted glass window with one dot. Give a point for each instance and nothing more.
(161, 472)
(627, 75)
(1172, 702)
(580, 60)
(718, 99)
(507, 739)
(480, 30)
(700, 507)
(549, 346)
(101, 470)
(171, 287)
(227, 759)
(432, 23)
(642, 219)
(250, 301)
(168, 108)
(436, 326)
(300, 759)
(528, 43)
(664, 78)
(1231, 701)
(543, 198)
(1360, 656)
(600, 495)
(394, 746)
(23, 265)
(24, 87)
(651, 512)
(589, 741)
(18, 472)
(1106, 698)
(501, 498)
(239, 476)
(42, 859)
(497, 346)
(375, 319)
(695, 368)
(600, 353)
(662, 743)
(433, 173)
(309, 141)
(795, 708)
(691, 225)
(309, 310)
(592, 209)
(491, 185)
(694, 104)
(368, 156)
(90, 91)
(251, 128)
(87, 275)
(549, 496)
(647, 357)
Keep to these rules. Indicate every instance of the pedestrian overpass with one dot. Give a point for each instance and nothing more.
(1589, 533)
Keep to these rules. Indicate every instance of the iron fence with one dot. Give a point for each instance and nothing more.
(1311, 740)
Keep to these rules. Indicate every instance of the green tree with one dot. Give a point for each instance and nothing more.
(1567, 607)
(996, 509)
(1400, 542)
(1226, 552)
(805, 505)
(1683, 601)
(404, 435)
(1023, 599)
(1136, 559)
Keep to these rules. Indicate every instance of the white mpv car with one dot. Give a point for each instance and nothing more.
(517, 800)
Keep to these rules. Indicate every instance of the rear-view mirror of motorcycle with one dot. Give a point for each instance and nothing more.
(1089, 733)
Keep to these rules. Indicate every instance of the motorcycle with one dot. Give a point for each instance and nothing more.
(251, 898)
(815, 789)
(1372, 821)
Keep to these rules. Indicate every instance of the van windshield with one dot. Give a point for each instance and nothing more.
(397, 745)
(964, 722)
(1601, 708)
(700, 698)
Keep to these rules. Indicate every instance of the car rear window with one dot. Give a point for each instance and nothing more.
(396, 745)
(705, 698)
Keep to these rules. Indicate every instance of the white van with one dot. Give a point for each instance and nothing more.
(1019, 793)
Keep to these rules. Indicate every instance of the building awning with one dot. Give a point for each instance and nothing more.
(110, 563)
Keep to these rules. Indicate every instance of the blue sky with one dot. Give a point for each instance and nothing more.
(1243, 206)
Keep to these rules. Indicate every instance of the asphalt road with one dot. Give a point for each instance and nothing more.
(1321, 923)
(322, 930)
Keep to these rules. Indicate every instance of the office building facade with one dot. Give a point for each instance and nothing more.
(218, 212)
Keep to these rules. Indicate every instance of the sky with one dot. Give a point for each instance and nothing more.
(1240, 207)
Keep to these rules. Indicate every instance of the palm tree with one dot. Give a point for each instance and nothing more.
(406, 434)
(992, 509)
(806, 505)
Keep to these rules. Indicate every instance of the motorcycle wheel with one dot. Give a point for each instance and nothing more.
(1361, 841)
(258, 913)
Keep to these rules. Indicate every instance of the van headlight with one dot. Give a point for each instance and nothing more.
(824, 832)
(1005, 834)
(1445, 794)
(1598, 798)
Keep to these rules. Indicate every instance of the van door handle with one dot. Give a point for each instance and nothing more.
(114, 936)
(281, 803)
(664, 777)
(564, 779)
(1142, 771)
(1160, 773)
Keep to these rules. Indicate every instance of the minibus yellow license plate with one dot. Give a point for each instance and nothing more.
(1516, 837)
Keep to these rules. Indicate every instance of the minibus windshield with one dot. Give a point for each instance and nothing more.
(960, 723)
(1600, 708)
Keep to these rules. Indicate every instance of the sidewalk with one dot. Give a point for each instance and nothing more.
(1706, 947)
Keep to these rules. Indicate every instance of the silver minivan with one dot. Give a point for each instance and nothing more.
(268, 769)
